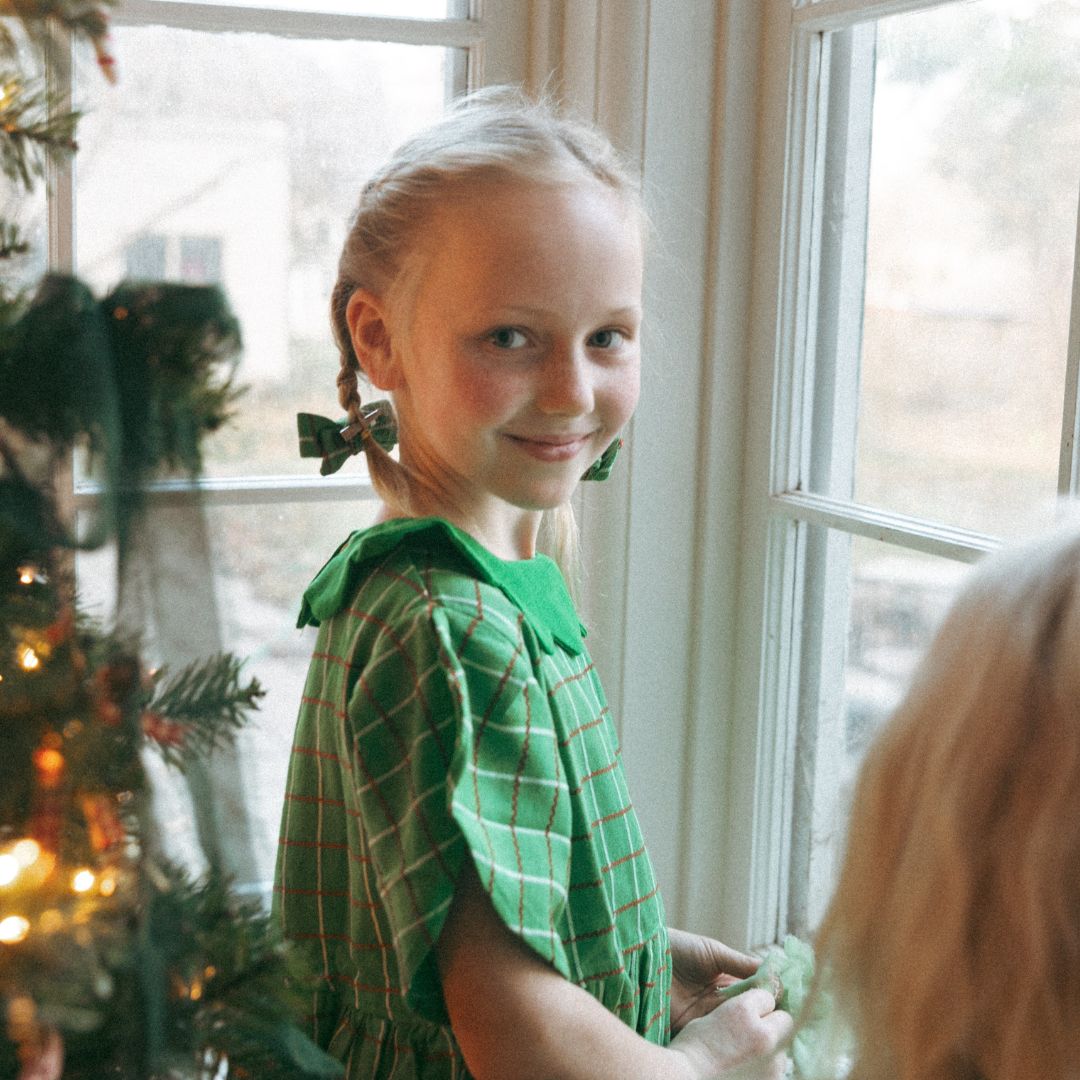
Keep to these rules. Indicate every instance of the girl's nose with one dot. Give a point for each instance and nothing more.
(565, 383)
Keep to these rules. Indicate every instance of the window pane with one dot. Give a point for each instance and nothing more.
(972, 222)
(26, 213)
(249, 571)
(238, 158)
(880, 608)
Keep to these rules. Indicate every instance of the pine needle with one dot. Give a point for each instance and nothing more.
(202, 707)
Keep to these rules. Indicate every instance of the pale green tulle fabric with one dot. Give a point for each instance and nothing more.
(818, 1051)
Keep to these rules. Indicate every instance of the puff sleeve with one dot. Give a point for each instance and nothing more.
(457, 756)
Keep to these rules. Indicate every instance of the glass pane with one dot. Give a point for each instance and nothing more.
(974, 181)
(238, 158)
(404, 9)
(25, 255)
(880, 607)
(27, 214)
(256, 562)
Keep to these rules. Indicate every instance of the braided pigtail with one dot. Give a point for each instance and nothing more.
(389, 477)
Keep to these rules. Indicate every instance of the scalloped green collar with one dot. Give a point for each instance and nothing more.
(535, 585)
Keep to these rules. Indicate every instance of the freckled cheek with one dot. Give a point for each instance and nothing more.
(490, 398)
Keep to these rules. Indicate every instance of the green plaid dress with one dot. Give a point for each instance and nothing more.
(451, 712)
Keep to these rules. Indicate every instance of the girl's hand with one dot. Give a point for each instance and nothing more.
(741, 1037)
(514, 1015)
(698, 966)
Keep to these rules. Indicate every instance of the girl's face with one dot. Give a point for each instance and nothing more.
(520, 362)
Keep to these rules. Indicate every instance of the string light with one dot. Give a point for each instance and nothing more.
(49, 764)
(9, 869)
(83, 880)
(13, 929)
(27, 852)
(28, 659)
(27, 575)
(107, 885)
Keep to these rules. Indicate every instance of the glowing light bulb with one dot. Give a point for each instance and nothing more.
(27, 852)
(28, 659)
(13, 929)
(27, 575)
(9, 869)
(83, 880)
(50, 766)
(107, 885)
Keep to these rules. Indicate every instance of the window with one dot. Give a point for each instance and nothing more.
(924, 391)
(232, 151)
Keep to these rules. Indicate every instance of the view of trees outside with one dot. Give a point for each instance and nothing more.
(238, 158)
(974, 191)
(974, 187)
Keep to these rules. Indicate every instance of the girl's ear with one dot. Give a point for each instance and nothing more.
(369, 328)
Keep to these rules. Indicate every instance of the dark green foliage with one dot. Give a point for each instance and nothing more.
(138, 378)
(173, 348)
(201, 708)
(229, 982)
(33, 130)
(57, 374)
(28, 524)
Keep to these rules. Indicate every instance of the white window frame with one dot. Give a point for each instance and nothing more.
(779, 634)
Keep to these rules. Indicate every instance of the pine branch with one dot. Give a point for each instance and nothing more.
(229, 977)
(34, 129)
(84, 19)
(200, 709)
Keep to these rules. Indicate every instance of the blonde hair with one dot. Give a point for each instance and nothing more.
(493, 135)
(953, 940)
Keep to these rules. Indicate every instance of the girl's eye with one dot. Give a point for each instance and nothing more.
(605, 339)
(506, 337)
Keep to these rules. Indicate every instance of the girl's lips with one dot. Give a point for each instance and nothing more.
(552, 447)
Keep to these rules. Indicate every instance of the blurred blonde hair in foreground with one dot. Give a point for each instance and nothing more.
(952, 944)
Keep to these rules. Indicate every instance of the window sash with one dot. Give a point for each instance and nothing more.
(477, 37)
(805, 574)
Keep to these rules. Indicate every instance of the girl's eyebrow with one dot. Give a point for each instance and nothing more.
(630, 311)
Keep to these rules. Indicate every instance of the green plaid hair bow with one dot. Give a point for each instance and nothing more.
(601, 468)
(336, 440)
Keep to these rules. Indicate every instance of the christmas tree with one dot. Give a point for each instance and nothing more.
(113, 963)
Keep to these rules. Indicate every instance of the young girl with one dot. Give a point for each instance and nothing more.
(460, 858)
(954, 935)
